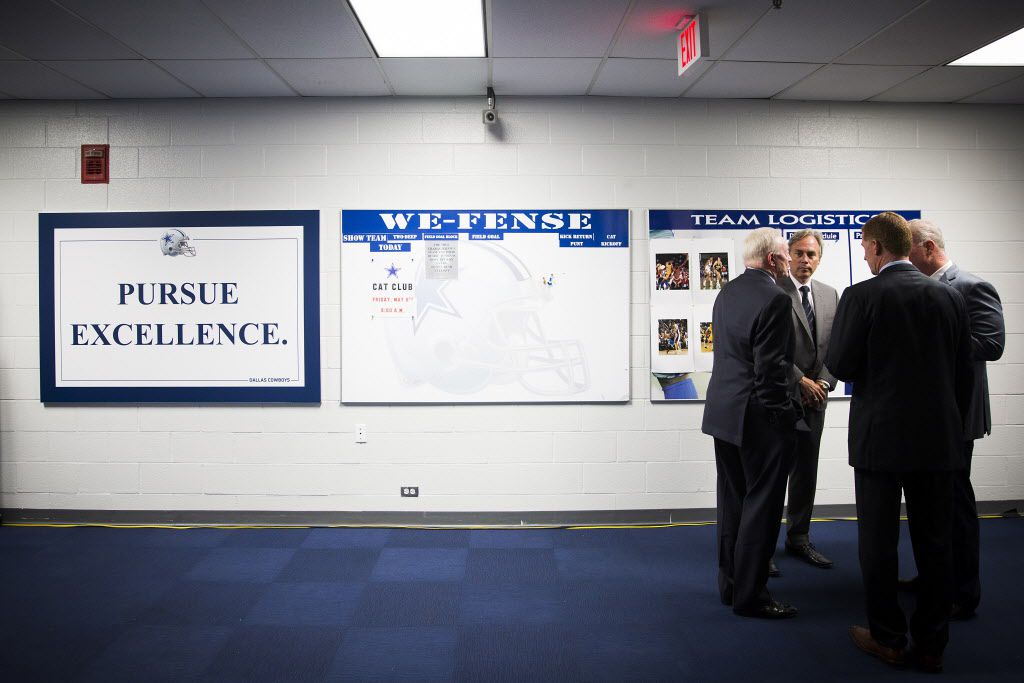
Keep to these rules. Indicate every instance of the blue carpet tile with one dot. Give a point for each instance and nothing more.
(532, 605)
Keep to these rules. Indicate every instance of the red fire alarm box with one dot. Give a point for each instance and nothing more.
(95, 164)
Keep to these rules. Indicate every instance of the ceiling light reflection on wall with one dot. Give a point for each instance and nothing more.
(1008, 51)
(423, 28)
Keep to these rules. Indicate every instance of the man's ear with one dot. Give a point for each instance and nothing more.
(878, 248)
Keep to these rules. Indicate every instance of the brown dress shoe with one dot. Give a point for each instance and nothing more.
(863, 639)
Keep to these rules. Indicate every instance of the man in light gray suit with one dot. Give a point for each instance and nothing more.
(814, 306)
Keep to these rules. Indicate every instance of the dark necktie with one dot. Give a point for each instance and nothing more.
(808, 311)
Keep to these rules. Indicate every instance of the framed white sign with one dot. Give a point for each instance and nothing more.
(485, 306)
(211, 306)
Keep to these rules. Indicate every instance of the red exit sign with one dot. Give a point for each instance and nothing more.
(691, 44)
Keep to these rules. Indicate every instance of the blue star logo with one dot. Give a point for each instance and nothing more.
(430, 296)
(392, 270)
(168, 238)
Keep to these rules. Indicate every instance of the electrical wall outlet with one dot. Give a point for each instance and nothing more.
(360, 433)
(410, 492)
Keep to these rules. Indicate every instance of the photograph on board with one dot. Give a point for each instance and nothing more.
(673, 339)
(714, 270)
(672, 272)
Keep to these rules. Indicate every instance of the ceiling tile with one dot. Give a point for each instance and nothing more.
(939, 32)
(851, 82)
(749, 79)
(949, 83)
(542, 28)
(649, 31)
(41, 30)
(326, 77)
(1010, 92)
(437, 76)
(163, 29)
(815, 31)
(644, 78)
(228, 77)
(543, 76)
(323, 29)
(33, 81)
(124, 78)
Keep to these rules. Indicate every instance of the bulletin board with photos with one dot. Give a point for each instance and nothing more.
(695, 253)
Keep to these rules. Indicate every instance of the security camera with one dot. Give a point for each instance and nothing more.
(491, 114)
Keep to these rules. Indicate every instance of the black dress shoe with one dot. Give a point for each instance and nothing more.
(809, 554)
(931, 664)
(909, 585)
(773, 570)
(769, 610)
(961, 612)
(862, 638)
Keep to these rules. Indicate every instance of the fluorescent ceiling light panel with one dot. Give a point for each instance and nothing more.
(423, 28)
(1008, 51)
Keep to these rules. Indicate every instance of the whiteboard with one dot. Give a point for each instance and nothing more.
(485, 306)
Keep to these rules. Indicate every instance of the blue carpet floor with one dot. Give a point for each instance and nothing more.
(99, 604)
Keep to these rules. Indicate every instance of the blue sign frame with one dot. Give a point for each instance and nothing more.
(310, 393)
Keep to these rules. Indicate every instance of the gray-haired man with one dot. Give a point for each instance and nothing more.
(988, 336)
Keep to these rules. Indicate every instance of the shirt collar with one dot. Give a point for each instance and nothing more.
(893, 263)
(798, 284)
(765, 273)
(937, 275)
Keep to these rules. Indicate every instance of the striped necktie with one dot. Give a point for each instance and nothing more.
(808, 311)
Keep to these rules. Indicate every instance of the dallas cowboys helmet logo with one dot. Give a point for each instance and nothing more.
(175, 243)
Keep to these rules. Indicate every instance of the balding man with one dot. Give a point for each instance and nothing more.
(751, 412)
(988, 337)
(904, 341)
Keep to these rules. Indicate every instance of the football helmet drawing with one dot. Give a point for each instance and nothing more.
(175, 243)
(485, 328)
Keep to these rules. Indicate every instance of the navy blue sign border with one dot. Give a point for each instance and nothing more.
(310, 393)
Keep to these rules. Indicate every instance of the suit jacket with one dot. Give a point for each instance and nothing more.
(904, 341)
(808, 356)
(988, 337)
(753, 356)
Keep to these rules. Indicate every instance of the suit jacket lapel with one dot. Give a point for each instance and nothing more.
(819, 307)
(798, 306)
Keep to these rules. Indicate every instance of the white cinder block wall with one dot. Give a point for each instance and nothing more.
(963, 166)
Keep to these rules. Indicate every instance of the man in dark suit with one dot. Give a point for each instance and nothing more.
(988, 337)
(813, 307)
(903, 339)
(751, 412)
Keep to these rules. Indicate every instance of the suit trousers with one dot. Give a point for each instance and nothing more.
(929, 496)
(966, 537)
(803, 479)
(751, 492)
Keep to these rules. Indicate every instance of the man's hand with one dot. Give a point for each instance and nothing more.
(812, 393)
